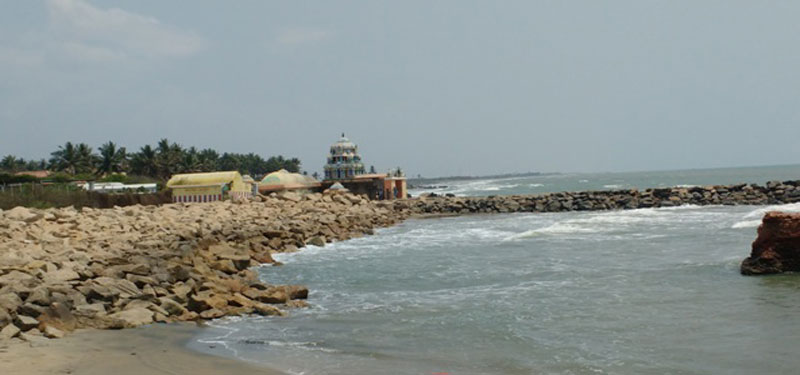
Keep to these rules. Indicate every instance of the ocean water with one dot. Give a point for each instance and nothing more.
(609, 181)
(648, 291)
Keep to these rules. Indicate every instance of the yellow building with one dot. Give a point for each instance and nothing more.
(208, 187)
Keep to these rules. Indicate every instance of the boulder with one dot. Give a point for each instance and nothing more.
(172, 307)
(10, 302)
(8, 332)
(26, 323)
(777, 247)
(52, 332)
(60, 276)
(23, 214)
(316, 241)
(131, 318)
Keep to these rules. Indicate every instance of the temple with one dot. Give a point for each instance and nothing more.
(345, 167)
(344, 162)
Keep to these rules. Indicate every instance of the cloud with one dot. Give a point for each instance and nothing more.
(302, 36)
(88, 33)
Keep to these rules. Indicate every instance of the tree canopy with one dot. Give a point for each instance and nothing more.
(161, 161)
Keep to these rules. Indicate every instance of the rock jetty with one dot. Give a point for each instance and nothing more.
(774, 192)
(62, 269)
(777, 247)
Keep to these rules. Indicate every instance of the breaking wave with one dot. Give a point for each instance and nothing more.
(753, 218)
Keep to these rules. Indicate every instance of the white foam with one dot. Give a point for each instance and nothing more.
(753, 218)
(746, 224)
(558, 228)
(612, 186)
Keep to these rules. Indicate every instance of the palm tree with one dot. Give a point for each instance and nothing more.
(10, 163)
(209, 160)
(191, 160)
(144, 163)
(169, 158)
(73, 159)
(112, 159)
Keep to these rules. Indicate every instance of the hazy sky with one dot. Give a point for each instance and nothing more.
(437, 87)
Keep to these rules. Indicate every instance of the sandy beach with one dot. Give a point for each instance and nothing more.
(153, 349)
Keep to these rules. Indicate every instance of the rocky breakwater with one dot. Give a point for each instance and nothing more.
(62, 269)
(777, 247)
(774, 192)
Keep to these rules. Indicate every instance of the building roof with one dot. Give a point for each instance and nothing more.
(37, 174)
(283, 179)
(211, 178)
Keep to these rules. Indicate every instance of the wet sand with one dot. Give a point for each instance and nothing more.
(154, 349)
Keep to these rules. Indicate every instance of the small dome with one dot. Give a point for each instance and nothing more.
(286, 178)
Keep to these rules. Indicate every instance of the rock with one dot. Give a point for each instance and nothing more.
(16, 277)
(60, 276)
(172, 307)
(58, 315)
(267, 310)
(131, 318)
(91, 310)
(8, 332)
(206, 300)
(53, 333)
(777, 247)
(39, 296)
(316, 241)
(10, 302)
(26, 323)
(22, 214)
(5, 317)
(212, 314)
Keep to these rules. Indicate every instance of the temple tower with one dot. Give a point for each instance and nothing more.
(344, 162)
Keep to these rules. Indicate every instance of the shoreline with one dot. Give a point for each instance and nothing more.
(197, 265)
(159, 349)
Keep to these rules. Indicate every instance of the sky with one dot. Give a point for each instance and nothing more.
(438, 88)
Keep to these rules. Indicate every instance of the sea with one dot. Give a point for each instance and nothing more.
(645, 291)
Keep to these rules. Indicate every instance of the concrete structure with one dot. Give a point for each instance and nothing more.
(344, 162)
(118, 187)
(346, 168)
(208, 187)
(251, 183)
(373, 186)
(283, 180)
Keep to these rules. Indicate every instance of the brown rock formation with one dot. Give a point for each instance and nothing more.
(777, 247)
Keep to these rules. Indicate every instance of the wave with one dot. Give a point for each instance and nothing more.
(629, 222)
(613, 186)
(753, 218)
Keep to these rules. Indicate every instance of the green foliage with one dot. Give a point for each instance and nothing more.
(6, 178)
(79, 162)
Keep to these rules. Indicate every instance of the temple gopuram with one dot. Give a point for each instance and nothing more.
(344, 162)
(344, 166)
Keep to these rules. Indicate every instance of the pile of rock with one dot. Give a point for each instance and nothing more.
(62, 269)
(774, 192)
(777, 247)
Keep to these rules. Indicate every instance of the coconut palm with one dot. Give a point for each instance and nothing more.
(169, 158)
(73, 159)
(209, 160)
(11, 163)
(191, 160)
(143, 163)
(113, 159)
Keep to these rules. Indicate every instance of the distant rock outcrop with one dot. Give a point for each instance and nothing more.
(777, 248)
